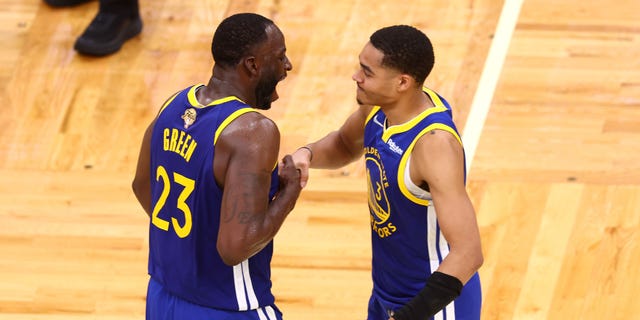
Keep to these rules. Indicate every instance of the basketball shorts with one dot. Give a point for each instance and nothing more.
(162, 305)
(466, 307)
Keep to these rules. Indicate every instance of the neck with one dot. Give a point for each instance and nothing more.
(223, 84)
(407, 108)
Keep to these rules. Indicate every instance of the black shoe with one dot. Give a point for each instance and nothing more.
(106, 33)
(64, 3)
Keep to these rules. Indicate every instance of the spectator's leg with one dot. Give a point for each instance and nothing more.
(116, 22)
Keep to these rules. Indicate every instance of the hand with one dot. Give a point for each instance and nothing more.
(302, 161)
(289, 174)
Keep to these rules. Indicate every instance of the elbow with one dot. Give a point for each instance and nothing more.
(229, 255)
(477, 258)
(230, 261)
(137, 187)
(471, 257)
(479, 261)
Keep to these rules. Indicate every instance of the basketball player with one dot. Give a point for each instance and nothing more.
(207, 176)
(424, 234)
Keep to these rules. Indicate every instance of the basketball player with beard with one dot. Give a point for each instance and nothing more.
(207, 176)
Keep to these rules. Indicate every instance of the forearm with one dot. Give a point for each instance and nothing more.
(332, 152)
(248, 224)
(439, 291)
(462, 263)
(267, 229)
(458, 224)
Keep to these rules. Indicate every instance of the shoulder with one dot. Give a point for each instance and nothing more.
(251, 126)
(254, 121)
(437, 142)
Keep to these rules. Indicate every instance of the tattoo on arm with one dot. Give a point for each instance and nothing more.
(245, 217)
(229, 214)
(237, 210)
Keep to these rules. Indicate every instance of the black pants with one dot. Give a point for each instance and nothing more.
(129, 7)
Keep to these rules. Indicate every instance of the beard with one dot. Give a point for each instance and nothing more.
(265, 91)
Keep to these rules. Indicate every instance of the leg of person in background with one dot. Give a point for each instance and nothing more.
(116, 22)
(64, 3)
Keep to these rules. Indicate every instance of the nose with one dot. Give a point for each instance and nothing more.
(357, 76)
(287, 64)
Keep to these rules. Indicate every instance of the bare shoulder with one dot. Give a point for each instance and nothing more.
(438, 141)
(253, 123)
(251, 136)
(439, 161)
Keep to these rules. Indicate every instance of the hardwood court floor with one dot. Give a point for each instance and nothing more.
(555, 179)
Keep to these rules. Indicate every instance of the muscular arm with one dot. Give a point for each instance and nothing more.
(336, 149)
(343, 146)
(141, 184)
(246, 153)
(437, 159)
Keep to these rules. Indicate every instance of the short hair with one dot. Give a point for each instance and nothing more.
(236, 36)
(405, 49)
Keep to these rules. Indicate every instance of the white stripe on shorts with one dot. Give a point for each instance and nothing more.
(271, 313)
(239, 286)
(253, 300)
(261, 314)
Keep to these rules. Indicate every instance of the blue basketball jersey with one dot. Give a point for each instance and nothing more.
(406, 239)
(186, 204)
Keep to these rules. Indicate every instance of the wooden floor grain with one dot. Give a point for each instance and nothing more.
(555, 179)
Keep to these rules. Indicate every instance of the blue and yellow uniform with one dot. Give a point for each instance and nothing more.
(188, 278)
(407, 243)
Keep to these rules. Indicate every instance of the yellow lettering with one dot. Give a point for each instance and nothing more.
(192, 148)
(180, 142)
(174, 139)
(165, 138)
(185, 144)
(385, 231)
(372, 150)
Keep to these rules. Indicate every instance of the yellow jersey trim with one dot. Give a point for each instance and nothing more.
(370, 115)
(193, 101)
(439, 107)
(405, 157)
(166, 103)
(230, 118)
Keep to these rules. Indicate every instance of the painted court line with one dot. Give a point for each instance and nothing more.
(489, 78)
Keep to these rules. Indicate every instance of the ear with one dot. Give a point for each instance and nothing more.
(405, 82)
(250, 65)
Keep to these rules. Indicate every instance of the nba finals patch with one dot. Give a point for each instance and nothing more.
(189, 117)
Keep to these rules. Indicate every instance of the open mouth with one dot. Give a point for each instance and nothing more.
(274, 95)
